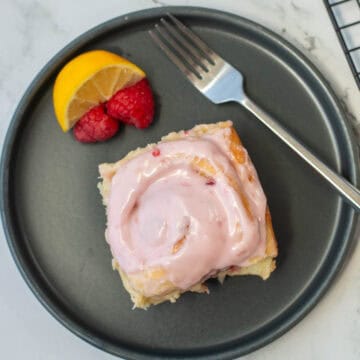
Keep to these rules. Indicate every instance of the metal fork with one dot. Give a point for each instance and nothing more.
(220, 82)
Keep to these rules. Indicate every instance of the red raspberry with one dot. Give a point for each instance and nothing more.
(95, 126)
(133, 105)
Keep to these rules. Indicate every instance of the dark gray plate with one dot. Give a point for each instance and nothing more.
(55, 222)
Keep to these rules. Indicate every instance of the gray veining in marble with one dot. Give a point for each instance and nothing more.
(32, 31)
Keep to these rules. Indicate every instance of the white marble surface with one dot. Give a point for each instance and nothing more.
(31, 32)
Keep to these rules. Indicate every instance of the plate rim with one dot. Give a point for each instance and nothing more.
(43, 77)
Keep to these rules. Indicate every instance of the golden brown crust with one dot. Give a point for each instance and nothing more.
(167, 291)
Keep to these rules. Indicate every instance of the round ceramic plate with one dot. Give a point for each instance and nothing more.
(55, 222)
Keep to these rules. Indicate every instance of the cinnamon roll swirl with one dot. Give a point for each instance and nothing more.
(186, 209)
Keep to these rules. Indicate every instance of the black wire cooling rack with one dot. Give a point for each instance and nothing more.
(345, 17)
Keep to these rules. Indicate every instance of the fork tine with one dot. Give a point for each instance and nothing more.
(172, 56)
(186, 44)
(195, 68)
(208, 52)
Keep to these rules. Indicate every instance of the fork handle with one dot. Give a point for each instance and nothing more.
(347, 190)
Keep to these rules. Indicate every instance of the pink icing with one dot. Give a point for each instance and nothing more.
(158, 201)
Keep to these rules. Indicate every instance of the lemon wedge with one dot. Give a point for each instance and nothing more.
(88, 80)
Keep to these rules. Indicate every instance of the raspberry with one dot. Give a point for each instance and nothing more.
(133, 105)
(95, 126)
